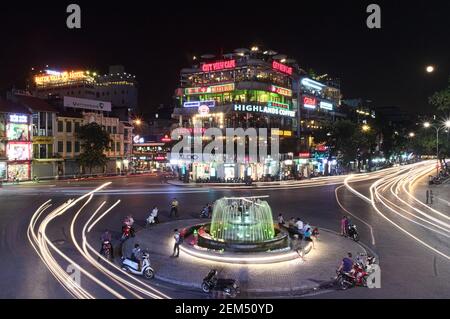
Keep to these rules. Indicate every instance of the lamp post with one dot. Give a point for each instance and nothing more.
(438, 128)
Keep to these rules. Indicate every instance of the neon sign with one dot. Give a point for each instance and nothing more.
(304, 155)
(309, 102)
(281, 67)
(281, 91)
(203, 110)
(278, 104)
(263, 109)
(19, 151)
(16, 118)
(60, 78)
(326, 105)
(211, 103)
(220, 65)
(210, 89)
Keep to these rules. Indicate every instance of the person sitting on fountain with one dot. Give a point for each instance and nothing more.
(280, 220)
(299, 225)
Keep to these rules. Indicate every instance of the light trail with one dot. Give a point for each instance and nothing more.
(398, 185)
(45, 249)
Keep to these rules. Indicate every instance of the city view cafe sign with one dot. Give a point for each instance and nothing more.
(263, 109)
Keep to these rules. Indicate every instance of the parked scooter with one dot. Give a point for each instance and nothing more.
(132, 266)
(229, 286)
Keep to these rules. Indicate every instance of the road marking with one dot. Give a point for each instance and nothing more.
(356, 217)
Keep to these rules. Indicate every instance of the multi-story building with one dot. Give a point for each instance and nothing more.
(117, 87)
(247, 89)
(255, 88)
(15, 141)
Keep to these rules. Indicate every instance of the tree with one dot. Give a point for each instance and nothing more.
(94, 142)
(441, 100)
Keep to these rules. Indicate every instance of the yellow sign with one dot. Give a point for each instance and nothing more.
(42, 140)
(61, 77)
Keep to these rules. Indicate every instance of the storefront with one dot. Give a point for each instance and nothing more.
(18, 147)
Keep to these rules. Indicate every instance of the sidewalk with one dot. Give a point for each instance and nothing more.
(294, 276)
(441, 195)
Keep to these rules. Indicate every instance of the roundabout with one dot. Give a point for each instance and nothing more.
(286, 273)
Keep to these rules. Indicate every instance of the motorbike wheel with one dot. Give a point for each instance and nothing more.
(205, 288)
(148, 273)
(355, 237)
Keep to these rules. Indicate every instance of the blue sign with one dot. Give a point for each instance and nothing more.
(209, 104)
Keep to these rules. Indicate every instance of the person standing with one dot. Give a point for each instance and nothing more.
(344, 224)
(174, 208)
(431, 196)
(176, 246)
(427, 195)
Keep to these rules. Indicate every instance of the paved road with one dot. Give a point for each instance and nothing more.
(410, 268)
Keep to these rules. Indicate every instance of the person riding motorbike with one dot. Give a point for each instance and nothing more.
(347, 264)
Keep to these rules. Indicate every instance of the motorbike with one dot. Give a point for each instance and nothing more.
(353, 232)
(359, 274)
(132, 266)
(229, 286)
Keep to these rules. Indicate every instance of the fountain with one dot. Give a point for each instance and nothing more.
(240, 224)
(244, 220)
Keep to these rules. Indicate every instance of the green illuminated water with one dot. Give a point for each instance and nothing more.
(244, 219)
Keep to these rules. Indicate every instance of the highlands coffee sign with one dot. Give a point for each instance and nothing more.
(263, 109)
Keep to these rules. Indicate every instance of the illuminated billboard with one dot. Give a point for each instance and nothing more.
(209, 104)
(280, 90)
(210, 89)
(87, 104)
(18, 118)
(18, 151)
(17, 132)
(62, 77)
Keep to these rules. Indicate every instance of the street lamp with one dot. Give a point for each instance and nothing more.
(365, 128)
(412, 134)
(137, 122)
(430, 69)
(438, 128)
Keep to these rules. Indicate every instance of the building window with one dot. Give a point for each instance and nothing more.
(114, 129)
(118, 147)
(109, 129)
(36, 150)
(77, 127)
(69, 147)
(60, 126)
(77, 147)
(60, 147)
(42, 150)
(69, 127)
(50, 150)
(113, 147)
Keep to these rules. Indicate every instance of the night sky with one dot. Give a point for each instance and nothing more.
(154, 42)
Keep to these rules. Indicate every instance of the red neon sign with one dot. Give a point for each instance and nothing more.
(309, 101)
(281, 67)
(220, 65)
(304, 155)
(281, 91)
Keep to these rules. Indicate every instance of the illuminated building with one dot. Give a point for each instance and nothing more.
(15, 141)
(117, 87)
(246, 88)
(149, 156)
